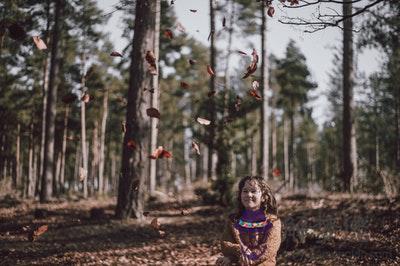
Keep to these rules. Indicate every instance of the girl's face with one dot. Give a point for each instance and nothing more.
(251, 195)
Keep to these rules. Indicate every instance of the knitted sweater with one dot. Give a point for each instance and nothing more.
(262, 244)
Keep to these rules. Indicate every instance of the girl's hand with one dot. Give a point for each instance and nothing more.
(244, 261)
(223, 261)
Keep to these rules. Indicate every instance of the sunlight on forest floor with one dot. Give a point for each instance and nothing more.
(335, 229)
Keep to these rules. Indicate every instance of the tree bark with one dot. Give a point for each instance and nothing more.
(16, 181)
(48, 162)
(63, 151)
(83, 128)
(135, 160)
(286, 148)
(155, 100)
(349, 152)
(264, 89)
(95, 154)
(102, 141)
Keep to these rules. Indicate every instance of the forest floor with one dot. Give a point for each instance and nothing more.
(334, 229)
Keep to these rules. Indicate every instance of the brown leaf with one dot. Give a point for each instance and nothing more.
(153, 112)
(210, 70)
(255, 84)
(195, 147)
(160, 153)
(168, 34)
(203, 121)
(39, 231)
(271, 11)
(276, 172)
(131, 144)
(253, 66)
(114, 53)
(193, 10)
(192, 62)
(151, 60)
(224, 22)
(155, 223)
(254, 93)
(238, 102)
(85, 98)
(241, 52)
(39, 43)
(185, 85)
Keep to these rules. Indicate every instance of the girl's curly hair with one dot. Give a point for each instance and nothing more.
(269, 202)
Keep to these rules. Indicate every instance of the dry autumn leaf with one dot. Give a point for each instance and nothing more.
(131, 144)
(193, 10)
(253, 66)
(271, 11)
(241, 52)
(238, 102)
(210, 70)
(224, 22)
(151, 60)
(114, 53)
(192, 62)
(39, 43)
(254, 93)
(276, 172)
(195, 147)
(255, 84)
(160, 153)
(168, 34)
(185, 85)
(39, 231)
(155, 223)
(85, 98)
(203, 121)
(153, 112)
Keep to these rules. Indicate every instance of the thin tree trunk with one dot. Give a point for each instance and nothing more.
(83, 128)
(155, 100)
(264, 89)
(205, 163)
(63, 151)
(48, 166)
(16, 181)
(135, 161)
(274, 139)
(253, 156)
(286, 148)
(102, 142)
(349, 154)
(292, 157)
(76, 167)
(28, 191)
(211, 109)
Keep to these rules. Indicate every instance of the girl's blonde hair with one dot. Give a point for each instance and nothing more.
(269, 202)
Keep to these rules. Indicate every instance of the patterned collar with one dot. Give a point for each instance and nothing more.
(253, 224)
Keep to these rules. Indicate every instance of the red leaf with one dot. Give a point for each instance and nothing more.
(210, 70)
(185, 85)
(271, 11)
(86, 97)
(195, 147)
(168, 33)
(165, 154)
(193, 10)
(151, 60)
(155, 223)
(255, 94)
(131, 144)
(253, 66)
(153, 112)
(160, 153)
(276, 172)
(39, 43)
(114, 53)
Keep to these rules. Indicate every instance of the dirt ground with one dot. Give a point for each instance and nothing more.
(333, 229)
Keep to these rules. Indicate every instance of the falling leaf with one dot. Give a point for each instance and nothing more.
(172, 2)
(276, 172)
(180, 27)
(209, 35)
(193, 10)
(153, 112)
(160, 153)
(203, 121)
(131, 144)
(16, 32)
(85, 98)
(238, 102)
(39, 43)
(253, 66)
(82, 174)
(69, 98)
(192, 62)
(123, 126)
(271, 11)
(185, 85)
(241, 52)
(151, 60)
(255, 84)
(254, 93)
(210, 70)
(114, 53)
(195, 147)
(155, 223)
(224, 22)
(39, 231)
(168, 34)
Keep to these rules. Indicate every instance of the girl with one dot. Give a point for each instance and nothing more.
(252, 236)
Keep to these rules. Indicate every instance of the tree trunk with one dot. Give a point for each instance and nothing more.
(28, 191)
(76, 167)
(349, 154)
(16, 181)
(286, 148)
(292, 157)
(135, 160)
(253, 156)
(274, 140)
(83, 128)
(211, 107)
(63, 151)
(205, 163)
(95, 153)
(155, 100)
(102, 141)
(264, 89)
(48, 162)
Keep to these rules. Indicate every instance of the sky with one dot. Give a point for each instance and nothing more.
(317, 47)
